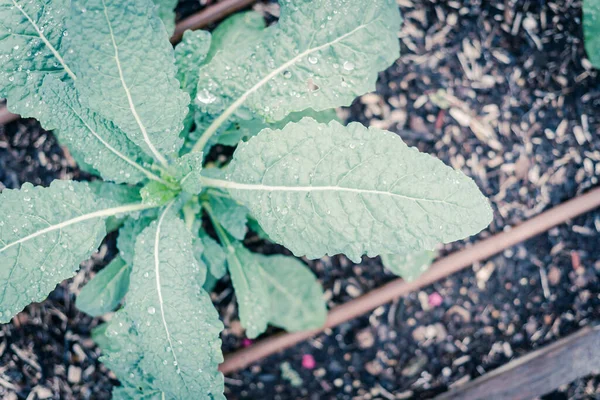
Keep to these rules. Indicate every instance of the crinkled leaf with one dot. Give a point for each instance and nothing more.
(319, 59)
(295, 295)
(105, 290)
(31, 35)
(237, 31)
(409, 265)
(189, 55)
(44, 234)
(326, 189)
(91, 138)
(172, 324)
(213, 255)
(231, 215)
(591, 30)
(250, 289)
(126, 72)
(187, 172)
(128, 234)
(166, 12)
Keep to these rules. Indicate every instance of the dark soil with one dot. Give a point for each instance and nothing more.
(515, 68)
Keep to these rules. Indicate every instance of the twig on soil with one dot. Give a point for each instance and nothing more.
(209, 15)
(6, 116)
(438, 270)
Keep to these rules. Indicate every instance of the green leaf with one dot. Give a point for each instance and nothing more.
(255, 226)
(190, 53)
(210, 283)
(326, 189)
(187, 172)
(168, 321)
(31, 34)
(128, 79)
(157, 194)
(231, 215)
(251, 289)
(591, 30)
(320, 60)
(213, 255)
(408, 265)
(128, 234)
(236, 32)
(295, 295)
(112, 195)
(91, 138)
(105, 290)
(274, 289)
(166, 12)
(100, 338)
(44, 234)
(244, 130)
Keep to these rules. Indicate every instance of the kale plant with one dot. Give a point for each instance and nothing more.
(103, 75)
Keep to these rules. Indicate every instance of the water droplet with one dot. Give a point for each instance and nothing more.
(348, 66)
(313, 59)
(151, 310)
(206, 97)
(287, 74)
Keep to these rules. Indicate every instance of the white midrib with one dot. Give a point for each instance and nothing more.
(148, 174)
(199, 146)
(147, 140)
(218, 183)
(45, 40)
(158, 287)
(108, 212)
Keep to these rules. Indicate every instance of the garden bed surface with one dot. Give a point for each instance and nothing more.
(516, 68)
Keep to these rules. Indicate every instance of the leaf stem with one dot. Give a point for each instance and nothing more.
(189, 216)
(218, 228)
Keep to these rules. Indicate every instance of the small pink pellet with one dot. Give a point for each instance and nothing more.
(435, 299)
(247, 342)
(308, 361)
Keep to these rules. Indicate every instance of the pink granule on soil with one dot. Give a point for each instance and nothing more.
(435, 299)
(308, 361)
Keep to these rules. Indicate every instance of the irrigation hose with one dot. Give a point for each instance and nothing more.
(199, 20)
(438, 270)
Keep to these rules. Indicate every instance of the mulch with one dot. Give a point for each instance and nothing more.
(499, 89)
